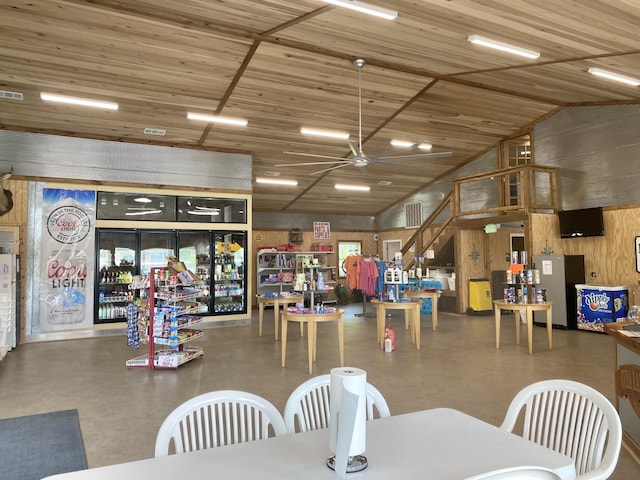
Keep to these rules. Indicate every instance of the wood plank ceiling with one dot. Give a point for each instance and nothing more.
(286, 64)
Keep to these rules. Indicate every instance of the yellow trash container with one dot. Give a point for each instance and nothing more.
(480, 302)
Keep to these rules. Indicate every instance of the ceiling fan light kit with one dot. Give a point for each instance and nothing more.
(363, 7)
(239, 122)
(84, 102)
(504, 47)
(614, 76)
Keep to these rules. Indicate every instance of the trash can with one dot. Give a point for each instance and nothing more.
(480, 302)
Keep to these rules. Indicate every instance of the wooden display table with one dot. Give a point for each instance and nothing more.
(627, 378)
(433, 295)
(312, 320)
(528, 308)
(411, 308)
(276, 302)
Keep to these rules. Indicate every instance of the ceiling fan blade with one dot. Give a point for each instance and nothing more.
(346, 164)
(417, 155)
(310, 163)
(353, 149)
(314, 155)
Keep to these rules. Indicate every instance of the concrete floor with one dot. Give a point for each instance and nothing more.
(458, 366)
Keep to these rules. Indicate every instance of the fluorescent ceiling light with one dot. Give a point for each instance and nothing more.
(240, 122)
(358, 188)
(614, 76)
(402, 143)
(425, 146)
(324, 133)
(505, 47)
(365, 8)
(277, 181)
(85, 102)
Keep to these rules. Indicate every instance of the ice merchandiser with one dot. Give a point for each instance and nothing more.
(229, 273)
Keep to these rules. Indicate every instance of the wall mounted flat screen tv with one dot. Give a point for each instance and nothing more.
(584, 222)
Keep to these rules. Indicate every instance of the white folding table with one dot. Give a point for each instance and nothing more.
(441, 443)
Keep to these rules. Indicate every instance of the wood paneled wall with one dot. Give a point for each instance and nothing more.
(611, 258)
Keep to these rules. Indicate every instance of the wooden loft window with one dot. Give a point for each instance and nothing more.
(515, 152)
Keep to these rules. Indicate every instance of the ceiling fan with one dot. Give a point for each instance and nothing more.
(360, 159)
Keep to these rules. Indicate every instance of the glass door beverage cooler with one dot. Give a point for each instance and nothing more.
(229, 268)
(219, 258)
(117, 264)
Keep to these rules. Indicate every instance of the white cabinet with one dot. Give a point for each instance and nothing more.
(174, 310)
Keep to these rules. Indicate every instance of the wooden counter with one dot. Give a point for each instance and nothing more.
(627, 376)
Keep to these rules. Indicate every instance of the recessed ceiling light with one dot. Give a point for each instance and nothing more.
(84, 102)
(324, 133)
(505, 47)
(614, 76)
(358, 188)
(240, 122)
(277, 181)
(365, 8)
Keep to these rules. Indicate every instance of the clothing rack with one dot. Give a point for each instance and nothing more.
(364, 295)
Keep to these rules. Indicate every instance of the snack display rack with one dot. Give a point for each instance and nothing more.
(173, 314)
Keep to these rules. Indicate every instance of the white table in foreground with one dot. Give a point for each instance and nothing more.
(441, 443)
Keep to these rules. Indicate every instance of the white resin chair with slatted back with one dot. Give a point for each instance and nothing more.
(308, 406)
(573, 419)
(218, 418)
(518, 473)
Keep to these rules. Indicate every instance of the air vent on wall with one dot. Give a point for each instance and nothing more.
(154, 131)
(11, 95)
(413, 214)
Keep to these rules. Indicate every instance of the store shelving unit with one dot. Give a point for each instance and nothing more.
(276, 271)
(173, 314)
(311, 263)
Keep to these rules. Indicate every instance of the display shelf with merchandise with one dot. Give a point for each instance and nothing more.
(174, 311)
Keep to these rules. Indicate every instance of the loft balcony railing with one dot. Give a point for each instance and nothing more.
(504, 195)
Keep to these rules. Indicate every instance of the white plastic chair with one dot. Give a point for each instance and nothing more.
(309, 405)
(216, 419)
(573, 419)
(518, 473)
